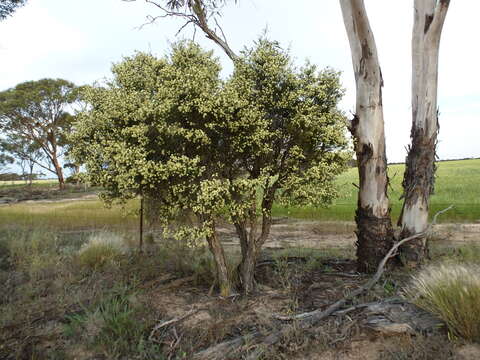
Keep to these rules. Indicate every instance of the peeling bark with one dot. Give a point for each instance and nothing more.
(419, 177)
(374, 238)
(374, 227)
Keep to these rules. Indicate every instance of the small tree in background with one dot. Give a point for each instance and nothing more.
(170, 130)
(5, 159)
(26, 153)
(34, 112)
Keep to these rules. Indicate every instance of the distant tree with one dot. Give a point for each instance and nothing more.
(26, 153)
(5, 159)
(7, 7)
(170, 130)
(34, 112)
(10, 176)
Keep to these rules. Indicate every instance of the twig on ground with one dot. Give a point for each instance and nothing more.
(172, 321)
(344, 311)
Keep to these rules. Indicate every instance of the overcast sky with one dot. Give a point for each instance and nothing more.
(79, 40)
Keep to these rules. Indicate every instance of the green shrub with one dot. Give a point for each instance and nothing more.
(452, 292)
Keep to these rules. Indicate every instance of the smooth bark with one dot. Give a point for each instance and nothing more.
(58, 171)
(374, 227)
(419, 177)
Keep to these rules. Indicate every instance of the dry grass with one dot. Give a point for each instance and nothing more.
(101, 249)
(452, 292)
(406, 347)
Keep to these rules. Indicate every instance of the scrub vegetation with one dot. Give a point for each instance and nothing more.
(217, 217)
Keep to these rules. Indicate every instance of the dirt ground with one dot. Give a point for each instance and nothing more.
(289, 233)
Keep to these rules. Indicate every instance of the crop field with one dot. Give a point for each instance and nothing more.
(457, 184)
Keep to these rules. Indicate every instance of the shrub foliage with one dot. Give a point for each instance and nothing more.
(172, 131)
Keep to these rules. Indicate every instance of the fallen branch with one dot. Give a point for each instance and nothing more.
(308, 319)
(344, 311)
(172, 321)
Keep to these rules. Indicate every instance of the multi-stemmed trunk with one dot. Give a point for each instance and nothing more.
(419, 177)
(218, 253)
(252, 240)
(374, 226)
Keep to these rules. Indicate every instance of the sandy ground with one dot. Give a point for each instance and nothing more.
(288, 233)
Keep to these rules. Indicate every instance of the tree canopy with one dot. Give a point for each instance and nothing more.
(36, 112)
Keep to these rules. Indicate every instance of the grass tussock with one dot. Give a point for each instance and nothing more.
(452, 292)
(102, 248)
(116, 327)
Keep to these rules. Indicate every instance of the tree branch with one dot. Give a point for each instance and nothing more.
(197, 16)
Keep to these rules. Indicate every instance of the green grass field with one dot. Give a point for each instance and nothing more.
(35, 183)
(458, 183)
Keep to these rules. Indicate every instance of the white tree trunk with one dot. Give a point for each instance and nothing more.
(374, 227)
(418, 183)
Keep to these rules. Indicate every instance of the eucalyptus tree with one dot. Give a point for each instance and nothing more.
(419, 177)
(26, 153)
(172, 131)
(36, 112)
(374, 225)
(367, 127)
(5, 159)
